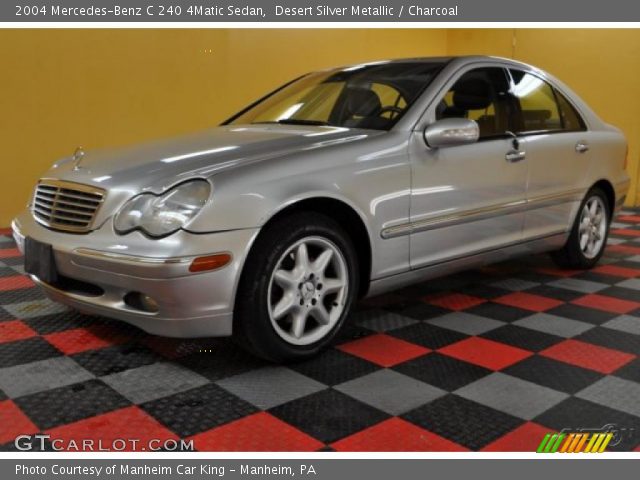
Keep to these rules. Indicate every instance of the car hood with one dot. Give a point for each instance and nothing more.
(158, 164)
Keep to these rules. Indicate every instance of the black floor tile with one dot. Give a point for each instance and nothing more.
(442, 371)
(199, 409)
(553, 374)
(463, 421)
(68, 404)
(328, 415)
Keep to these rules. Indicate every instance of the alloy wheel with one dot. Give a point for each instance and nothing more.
(592, 230)
(308, 290)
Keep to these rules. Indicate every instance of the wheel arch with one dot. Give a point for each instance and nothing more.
(347, 217)
(607, 187)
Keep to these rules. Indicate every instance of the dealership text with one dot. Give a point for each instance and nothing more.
(165, 470)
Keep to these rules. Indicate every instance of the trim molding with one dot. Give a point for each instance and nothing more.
(476, 214)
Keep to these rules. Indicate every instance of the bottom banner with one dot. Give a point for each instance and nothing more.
(330, 469)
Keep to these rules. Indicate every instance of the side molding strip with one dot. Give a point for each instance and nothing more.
(477, 214)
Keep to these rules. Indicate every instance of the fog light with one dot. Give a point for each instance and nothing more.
(149, 303)
(140, 301)
(210, 262)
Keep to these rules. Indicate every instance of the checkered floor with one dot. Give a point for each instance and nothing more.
(489, 360)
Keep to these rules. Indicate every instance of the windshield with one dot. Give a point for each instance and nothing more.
(372, 96)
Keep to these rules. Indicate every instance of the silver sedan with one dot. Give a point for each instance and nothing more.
(341, 184)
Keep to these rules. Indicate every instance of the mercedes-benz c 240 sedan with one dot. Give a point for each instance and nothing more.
(341, 184)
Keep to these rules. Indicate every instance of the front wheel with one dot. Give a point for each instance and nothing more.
(589, 233)
(298, 286)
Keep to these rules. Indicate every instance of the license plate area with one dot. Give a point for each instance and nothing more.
(39, 260)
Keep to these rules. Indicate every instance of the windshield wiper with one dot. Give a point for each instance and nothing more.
(298, 121)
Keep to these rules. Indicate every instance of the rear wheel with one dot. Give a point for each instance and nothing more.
(298, 286)
(589, 234)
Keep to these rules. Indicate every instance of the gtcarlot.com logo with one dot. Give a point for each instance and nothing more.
(43, 442)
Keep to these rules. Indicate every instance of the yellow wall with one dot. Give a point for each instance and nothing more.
(63, 88)
(601, 65)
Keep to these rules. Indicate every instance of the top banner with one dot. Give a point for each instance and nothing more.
(364, 11)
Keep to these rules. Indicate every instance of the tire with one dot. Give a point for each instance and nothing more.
(576, 254)
(279, 316)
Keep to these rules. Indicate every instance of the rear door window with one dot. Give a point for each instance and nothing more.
(540, 108)
(536, 103)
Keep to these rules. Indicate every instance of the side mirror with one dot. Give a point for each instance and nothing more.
(451, 131)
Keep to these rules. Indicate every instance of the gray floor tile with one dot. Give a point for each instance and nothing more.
(614, 392)
(584, 286)
(270, 386)
(35, 377)
(615, 241)
(635, 258)
(154, 381)
(633, 283)
(466, 323)
(390, 391)
(512, 395)
(624, 323)
(35, 308)
(563, 327)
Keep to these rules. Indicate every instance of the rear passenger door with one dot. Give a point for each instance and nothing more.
(557, 153)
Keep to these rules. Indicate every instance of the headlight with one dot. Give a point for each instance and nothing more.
(161, 215)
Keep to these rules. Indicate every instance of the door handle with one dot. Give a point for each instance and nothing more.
(582, 147)
(515, 156)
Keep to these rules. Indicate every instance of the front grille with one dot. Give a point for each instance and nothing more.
(67, 206)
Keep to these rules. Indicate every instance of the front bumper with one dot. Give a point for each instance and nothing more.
(101, 270)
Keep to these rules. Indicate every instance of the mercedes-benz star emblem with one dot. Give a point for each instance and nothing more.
(78, 155)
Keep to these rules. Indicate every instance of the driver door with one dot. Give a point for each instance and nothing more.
(468, 199)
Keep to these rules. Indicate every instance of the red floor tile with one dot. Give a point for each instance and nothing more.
(528, 301)
(83, 339)
(627, 249)
(14, 330)
(593, 357)
(486, 353)
(383, 350)
(453, 301)
(13, 422)
(396, 435)
(628, 218)
(9, 252)
(617, 271)
(525, 438)
(15, 282)
(558, 272)
(626, 232)
(608, 304)
(260, 432)
(126, 423)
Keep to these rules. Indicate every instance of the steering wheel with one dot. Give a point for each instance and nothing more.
(390, 108)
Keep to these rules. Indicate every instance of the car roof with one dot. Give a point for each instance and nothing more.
(460, 59)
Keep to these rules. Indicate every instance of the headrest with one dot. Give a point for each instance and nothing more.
(362, 102)
(472, 94)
